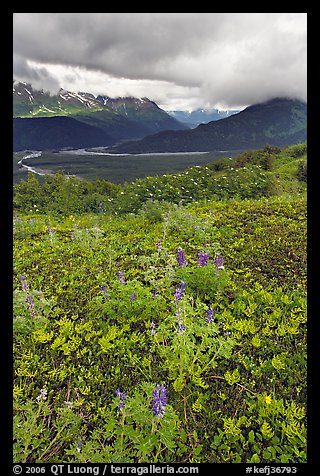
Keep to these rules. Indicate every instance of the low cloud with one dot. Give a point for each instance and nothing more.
(232, 59)
(38, 76)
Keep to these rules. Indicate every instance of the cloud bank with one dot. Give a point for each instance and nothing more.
(176, 59)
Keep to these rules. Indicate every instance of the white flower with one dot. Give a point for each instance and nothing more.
(43, 394)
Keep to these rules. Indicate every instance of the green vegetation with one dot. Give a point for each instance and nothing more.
(163, 320)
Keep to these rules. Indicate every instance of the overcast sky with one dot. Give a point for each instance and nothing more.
(181, 61)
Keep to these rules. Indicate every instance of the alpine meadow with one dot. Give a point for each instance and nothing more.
(163, 320)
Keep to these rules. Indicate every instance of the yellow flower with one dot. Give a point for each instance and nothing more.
(268, 399)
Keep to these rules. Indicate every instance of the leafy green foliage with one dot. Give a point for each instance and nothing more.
(114, 311)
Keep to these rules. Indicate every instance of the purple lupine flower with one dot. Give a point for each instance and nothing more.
(219, 260)
(30, 299)
(181, 328)
(30, 304)
(121, 278)
(181, 258)
(79, 447)
(177, 294)
(122, 396)
(152, 328)
(72, 235)
(50, 230)
(105, 290)
(180, 291)
(203, 259)
(227, 333)
(209, 316)
(159, 245)
(24, 284)
(183, 287)
(160, 400)
(133, 297)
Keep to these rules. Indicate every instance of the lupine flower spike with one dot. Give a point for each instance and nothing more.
(121, 278)
(160, 401)
(24, 284)
(133, 297)
(210, 315)
(219, 262)
(177, 295)
(152, 328)
(30, 304)
(203, 259)
(43, 395)
(181, 258)
(183, 287)
(122, 396)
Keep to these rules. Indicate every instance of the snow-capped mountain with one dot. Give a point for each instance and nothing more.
(201, 116)
(118, 118)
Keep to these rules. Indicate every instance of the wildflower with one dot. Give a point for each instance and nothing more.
(69, 404)
(121, 278)
(30, 304)
(133, 297)
(177, 294)
(79, 447)
(159, 245)
(72, 235)
(203, 259)
(268, 399)
(24, 284)
(183, 286)
(105, 290)
(227, 333)
(152, 328)
(122, 396)
(181, 328)
(43, 394)
(50, 230)
(160, 400)
(210, 315)
(219, 260)
(181, 257)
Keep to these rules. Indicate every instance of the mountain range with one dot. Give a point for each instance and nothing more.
(201, 116)
(278, 122)
(42, 121)
(67, 119)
